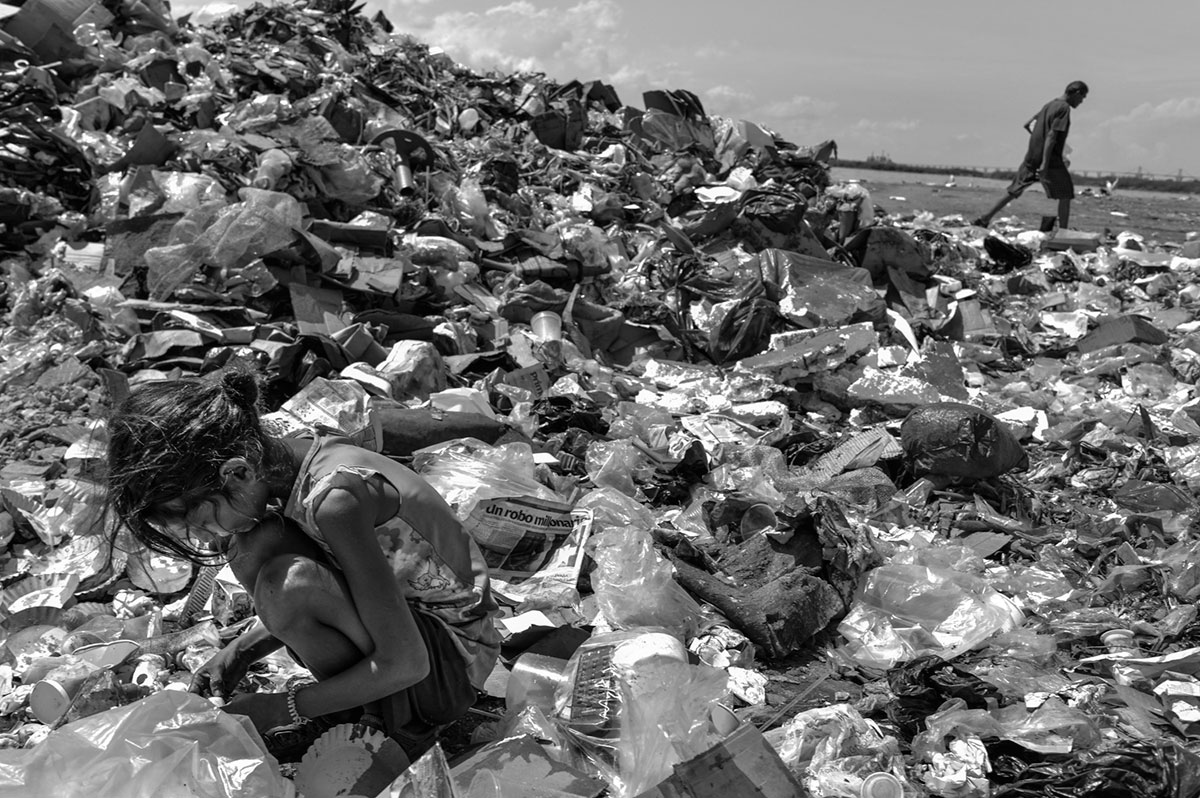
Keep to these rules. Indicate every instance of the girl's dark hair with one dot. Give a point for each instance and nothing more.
(168, 441)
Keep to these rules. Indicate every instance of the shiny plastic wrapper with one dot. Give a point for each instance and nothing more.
(170, 743)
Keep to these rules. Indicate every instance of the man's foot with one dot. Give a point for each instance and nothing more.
(979, 221)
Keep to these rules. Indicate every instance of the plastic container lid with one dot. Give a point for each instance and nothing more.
(882, 785)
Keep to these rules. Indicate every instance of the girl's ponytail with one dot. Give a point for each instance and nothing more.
(240, 386)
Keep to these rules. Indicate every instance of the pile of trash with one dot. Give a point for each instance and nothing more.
(781, 494)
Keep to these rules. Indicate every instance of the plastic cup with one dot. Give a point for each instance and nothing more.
(758, 518)
(547, 325)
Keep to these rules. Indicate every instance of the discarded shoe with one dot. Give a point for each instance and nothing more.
(290, 743)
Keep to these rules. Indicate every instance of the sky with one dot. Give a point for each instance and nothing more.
(933, 82)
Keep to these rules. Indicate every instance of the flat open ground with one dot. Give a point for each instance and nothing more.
(1160, 216)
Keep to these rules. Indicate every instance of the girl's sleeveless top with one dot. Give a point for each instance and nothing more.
(439, 569)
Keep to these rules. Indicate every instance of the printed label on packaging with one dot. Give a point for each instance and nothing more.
(533, 547)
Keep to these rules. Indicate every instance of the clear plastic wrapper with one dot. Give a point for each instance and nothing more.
(635, 586)
(531, 540)
(617, 464)
(589, 697)
(1052, 728)
(833, 749)
(228, 236)
(170, 743)
(920, 603)
(664, 719)
(630, 707)
(468, 472)
(611, 509)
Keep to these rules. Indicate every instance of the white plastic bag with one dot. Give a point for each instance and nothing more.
(169, 745)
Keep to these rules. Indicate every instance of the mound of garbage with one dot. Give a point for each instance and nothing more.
(782, 494)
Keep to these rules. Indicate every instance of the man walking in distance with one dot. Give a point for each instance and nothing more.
(1044, 161)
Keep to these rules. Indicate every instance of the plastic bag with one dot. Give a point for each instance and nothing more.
(617, 464)
(227, 236)
(1141, 769)
(635, 586)
(1052, 728)
(170, 743)
(428, 777)
(1181, 562)
(531, 541)
(650, 424)
(832, 749)
(1035, 585)
(664, 720)
(919, 603)
(466, 204)
(759, 472)
(923, 684)
(349, 179)
(468, 472)
(630, 707)
(612, 509)
(588, 698)
(959, 440)
(185, 191)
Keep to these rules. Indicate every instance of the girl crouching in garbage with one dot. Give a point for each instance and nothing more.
(355, 563)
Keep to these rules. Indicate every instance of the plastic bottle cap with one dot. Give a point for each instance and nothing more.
(882, 785)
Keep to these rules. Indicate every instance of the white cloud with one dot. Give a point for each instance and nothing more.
(797, 106)
(583, 41)
(1157, 137)
(885, 126)
(727, 101)
(1173, 110)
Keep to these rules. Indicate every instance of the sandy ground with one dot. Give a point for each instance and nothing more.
(1161, 216)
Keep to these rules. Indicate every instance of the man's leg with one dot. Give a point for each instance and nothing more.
(1064, 214)
(1026, 177)
(986, 219)
(1015, 190)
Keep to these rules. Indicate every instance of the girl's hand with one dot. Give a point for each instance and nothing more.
(221, 674)
(265, 710)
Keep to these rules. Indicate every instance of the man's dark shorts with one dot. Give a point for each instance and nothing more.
(1056, 181)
